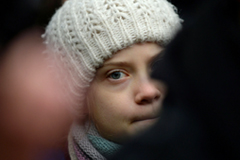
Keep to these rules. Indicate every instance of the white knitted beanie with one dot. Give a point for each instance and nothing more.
(84, 33)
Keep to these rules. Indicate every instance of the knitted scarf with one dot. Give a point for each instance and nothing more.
(85, 143)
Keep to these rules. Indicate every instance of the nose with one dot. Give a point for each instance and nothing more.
(147, 92)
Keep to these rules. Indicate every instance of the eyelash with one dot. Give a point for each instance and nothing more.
(114, 71)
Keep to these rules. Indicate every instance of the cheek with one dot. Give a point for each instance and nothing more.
(109, 110)
(113, 110)
(105, 104)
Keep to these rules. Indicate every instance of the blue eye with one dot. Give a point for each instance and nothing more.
(117, 75)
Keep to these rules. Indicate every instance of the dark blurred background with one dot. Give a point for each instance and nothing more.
(19, 15)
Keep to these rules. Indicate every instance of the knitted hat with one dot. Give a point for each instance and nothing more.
(84, 33)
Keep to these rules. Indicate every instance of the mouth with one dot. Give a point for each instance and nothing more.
(139, 119)
(143, 123)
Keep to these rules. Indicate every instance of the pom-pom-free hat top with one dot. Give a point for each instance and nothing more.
(84, 33)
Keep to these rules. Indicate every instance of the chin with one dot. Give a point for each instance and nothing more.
(142, 125)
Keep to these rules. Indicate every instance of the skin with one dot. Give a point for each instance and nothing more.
(123, 100)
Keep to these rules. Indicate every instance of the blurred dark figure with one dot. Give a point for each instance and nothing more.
(187, 9)
(20, 15)
(34, 114)
(201, 68)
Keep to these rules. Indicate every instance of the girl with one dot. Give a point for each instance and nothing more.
(108, 47)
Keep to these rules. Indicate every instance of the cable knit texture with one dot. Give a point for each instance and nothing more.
(84, 33)
(105, 147)
(86, 143)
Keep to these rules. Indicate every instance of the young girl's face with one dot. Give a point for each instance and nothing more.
(122, 99)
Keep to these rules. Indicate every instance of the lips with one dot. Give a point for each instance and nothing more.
(149, 112)
(145, 118)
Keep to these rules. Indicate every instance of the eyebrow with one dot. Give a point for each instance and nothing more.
(118, 63)
(127, 64)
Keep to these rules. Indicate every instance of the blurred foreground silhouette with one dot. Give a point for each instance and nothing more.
(34, 109)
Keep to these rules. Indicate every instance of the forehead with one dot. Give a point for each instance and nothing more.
(139, 51)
